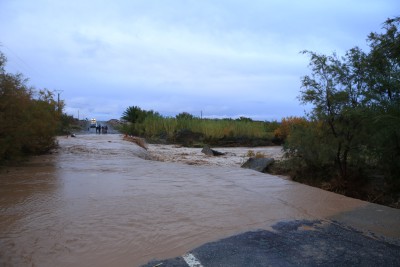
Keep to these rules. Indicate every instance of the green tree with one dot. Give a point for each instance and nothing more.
(184, 116)
(383, 98)
(137, 117)
(384, 67)
(356, 109)
(184, 120)
(335, 88)
(135, 114)
(28, 118)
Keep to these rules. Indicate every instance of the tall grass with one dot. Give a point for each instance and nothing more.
(167, 127)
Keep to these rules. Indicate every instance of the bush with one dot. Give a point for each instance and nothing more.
(257, 155)
(29, 119)
(352, 134)
(283, 130)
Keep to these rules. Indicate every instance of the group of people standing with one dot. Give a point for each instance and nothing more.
(101, 129)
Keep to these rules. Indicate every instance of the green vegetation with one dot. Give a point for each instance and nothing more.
(351, 138)
(349, 142)
(155, 127)
(137, 115)
(29, 119)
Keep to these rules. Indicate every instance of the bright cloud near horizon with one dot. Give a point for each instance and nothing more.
(221, 58)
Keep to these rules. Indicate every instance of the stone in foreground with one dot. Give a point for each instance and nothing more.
(258, 164)
(211, 152)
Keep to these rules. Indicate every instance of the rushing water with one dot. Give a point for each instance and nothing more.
(97, 202)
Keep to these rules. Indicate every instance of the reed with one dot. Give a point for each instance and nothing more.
(167, 127)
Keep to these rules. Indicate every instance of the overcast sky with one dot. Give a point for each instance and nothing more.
(224, 58)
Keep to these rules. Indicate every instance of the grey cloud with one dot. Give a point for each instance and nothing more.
(224, 57)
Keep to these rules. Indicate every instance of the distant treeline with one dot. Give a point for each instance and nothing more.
(190, 130)
(29, 118)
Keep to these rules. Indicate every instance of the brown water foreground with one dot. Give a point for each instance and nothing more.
(97, 202)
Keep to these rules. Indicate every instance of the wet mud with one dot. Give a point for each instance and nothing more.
(99, 202)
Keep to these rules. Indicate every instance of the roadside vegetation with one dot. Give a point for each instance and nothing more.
(29, 118)
(193, 131)
(350, 141)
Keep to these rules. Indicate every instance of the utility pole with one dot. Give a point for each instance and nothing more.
(58, 99)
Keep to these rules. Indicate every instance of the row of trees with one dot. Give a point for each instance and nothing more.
(29, 119)
(353, 129)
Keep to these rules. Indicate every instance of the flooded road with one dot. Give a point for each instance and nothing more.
(98, 202)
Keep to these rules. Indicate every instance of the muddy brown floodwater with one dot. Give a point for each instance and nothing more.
(97, 202)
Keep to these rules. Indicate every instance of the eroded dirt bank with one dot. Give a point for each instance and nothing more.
(98, 202)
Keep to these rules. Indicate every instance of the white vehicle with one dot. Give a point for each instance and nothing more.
(93, 123)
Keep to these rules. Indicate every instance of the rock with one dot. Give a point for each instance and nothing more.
(211, 152)
(258, 164)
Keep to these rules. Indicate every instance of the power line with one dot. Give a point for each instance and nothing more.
(20, 63)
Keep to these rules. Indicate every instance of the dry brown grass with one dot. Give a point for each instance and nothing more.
(257, 155)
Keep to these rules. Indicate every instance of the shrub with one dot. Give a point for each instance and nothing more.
(287, 124)
(29, 119)
(257, 155)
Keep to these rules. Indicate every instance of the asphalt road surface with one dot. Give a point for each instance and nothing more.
(293, 243)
